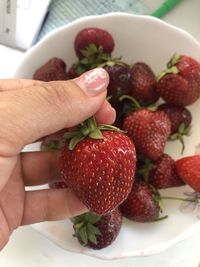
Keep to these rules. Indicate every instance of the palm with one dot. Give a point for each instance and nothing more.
(12, 202)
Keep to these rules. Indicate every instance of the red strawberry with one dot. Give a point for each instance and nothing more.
(180, 83)
(140, 205)
(148, 130)
(143, 83)
(120, 82)
(164, 175)
(95, 231)
(58, 185)
(53, 70)
(188, 168)
(96, 36)
(99, 171)
(177, 115)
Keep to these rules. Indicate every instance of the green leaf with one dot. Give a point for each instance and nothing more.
(52, 145)
(83, 235)
(74, 141)
(91, 123)
(92, 238)
(96, 134)
(92, 217)
(93, 229)
(84, 61)
(172, 70)
(69, 135)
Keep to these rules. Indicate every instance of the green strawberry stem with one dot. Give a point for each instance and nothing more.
(182, 130)
(89, 128)
(161, 218)
(181, 199)
(136, 104)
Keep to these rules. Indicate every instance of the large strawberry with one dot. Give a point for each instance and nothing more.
(148, 130)
(96, 36)
(99, 168)
(53, 70)
(95, 231)
(163, 174)
(180, 83)
(141, 205)
(188, 168)
(143, 83)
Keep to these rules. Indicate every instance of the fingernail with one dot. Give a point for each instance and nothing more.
(93, 82)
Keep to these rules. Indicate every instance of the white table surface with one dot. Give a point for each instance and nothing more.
(27, 248)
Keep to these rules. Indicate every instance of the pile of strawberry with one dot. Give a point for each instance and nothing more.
(117, 172)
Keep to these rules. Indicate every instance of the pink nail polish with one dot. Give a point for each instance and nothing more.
(94, 81)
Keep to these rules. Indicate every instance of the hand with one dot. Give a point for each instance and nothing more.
(30, 110)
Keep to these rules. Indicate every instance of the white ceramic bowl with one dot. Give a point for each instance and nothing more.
(137, 38)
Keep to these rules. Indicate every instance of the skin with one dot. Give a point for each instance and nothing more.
(30, 110)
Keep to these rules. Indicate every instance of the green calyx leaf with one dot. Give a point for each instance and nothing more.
(89, 128)
(85, 227)
(157, 197)
(172, 70)
(145, 169)
(52, 145)
(173, 61)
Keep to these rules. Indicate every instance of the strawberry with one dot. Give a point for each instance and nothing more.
(95, 231)
(141, 205)
(96, 36)
(180, 83)
(100, 168)
(177, 115)
(148, 130)
(58, 185)
(164, 175)
(180, 118)
(119, 82)
(188, 168)
(143, 83)
(53, 70)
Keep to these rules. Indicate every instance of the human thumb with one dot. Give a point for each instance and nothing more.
(31, 113)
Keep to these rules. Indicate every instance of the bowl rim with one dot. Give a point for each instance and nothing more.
(147, 18)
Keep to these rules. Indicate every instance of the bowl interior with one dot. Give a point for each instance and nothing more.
(137, 38)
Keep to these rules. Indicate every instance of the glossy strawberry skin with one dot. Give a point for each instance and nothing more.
(109, 225)
(96, 36)
(140, 205)
(164, 175)
(177, 115)
(183, 88)
(148, 130)
(53, 70)
(143, 83)
(100, 171)
(188, 168)
(120, 82)
(186, 65)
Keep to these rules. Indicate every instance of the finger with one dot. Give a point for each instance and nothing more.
(106, 114)
(16, 84)
(51, 205)
(34, 112)
(40, 167)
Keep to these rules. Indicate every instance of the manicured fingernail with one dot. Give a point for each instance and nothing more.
(93, 82)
